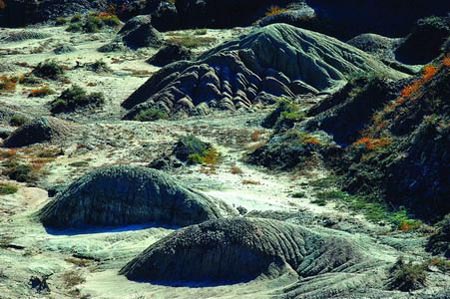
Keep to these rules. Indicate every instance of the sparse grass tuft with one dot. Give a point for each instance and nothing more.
(151, 114)
(6, 188)
(18, 171)
(72, 278)
(191, 41)
(8, 84)
(17, 120)
(49, 69)
(407, 276)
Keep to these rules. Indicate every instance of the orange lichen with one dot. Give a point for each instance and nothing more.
(275, 10)
(373, 143)
(8, 83)
(411, 89)
(446, 61)
(429, 72)
(312, 140)
(41, 92)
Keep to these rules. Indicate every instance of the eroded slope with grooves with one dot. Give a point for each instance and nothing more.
(240, 249)
(125, 195)
(276, 60)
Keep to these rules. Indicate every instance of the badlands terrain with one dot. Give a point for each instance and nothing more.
(224, 149)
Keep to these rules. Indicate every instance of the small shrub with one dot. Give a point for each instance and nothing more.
(6, 188)
(109, 19)
(8, 84)
(74, 27)
(151, 114)
(30, 79)
(236, 170)
(372, 144)
(250, 182)
(284, 116)
(75, 98)
(275, 10)
(72, 278)
(201, 31)
(192, 42)
(18, 171)
(41, 92)
(93, 23)
(208, 157)
(60, 21)
(442, 264)
(17, 120)
(75, 18)
(406, 276)
(255, 136)
(49, 69)
(446, 61)
(99, 66)
(429, 72)
(299, 194)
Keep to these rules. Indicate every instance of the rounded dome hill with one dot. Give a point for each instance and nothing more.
(43, 129)
(125, 195)
(236, 250)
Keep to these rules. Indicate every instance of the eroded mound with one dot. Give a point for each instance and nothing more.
(125, 195)
(240, 249)
(43, 129)
(139, 32)
(276, 60)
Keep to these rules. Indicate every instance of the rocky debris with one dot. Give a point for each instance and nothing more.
(139, 32)
(241, 73)
(169, 54)
(126, 195)
(439, 243)
(424, 43)
(39, 130)
(241, 249)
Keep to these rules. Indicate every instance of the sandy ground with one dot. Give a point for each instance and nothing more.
(85, 265)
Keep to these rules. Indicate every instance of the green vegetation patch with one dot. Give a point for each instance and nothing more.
(6, 188)
(49, 69)
(75, 98)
